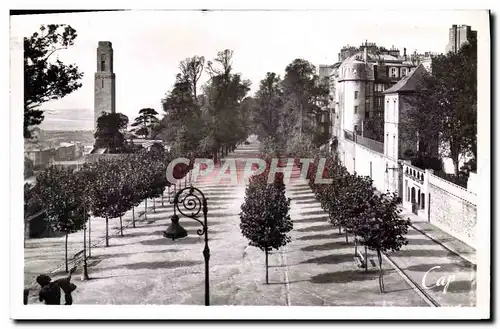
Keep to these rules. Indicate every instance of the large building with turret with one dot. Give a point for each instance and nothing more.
(358, 81)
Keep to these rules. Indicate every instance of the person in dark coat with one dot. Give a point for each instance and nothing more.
(50, 291)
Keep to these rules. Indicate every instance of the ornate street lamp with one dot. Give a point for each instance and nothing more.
(193, 202)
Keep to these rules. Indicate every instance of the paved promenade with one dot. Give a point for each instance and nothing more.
(316, 268)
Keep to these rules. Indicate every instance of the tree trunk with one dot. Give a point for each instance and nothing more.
(107, 235)
(456, 165)
(25, 229)
(340, 229)
(85, 274)
(146, 209)
(267, 268)
(355, 246)
(346, 237)
(162, 199)
(154, 206)
(90, 241)
(133, 216)
(66, 252)
(366, 258)
(455, 157)
(380, 276)
(121, 226)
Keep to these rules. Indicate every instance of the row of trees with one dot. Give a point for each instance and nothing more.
(353, 204)
(211, 123)
(286, 110)
(265, 219)
(106, 189)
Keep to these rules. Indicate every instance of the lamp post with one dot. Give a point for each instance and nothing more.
(193, 202)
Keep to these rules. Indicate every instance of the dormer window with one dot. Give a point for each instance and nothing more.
(404, 71)
(393, 72)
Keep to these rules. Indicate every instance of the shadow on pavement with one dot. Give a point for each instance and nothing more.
(320, 236)
(313, 212)
(443, 267)
(290, 282)
(456, 287)
(146, 252)
(421, 242)
(327, 246)
(319, 219)
(422, 253)
(345, 276)
(151, 265)
(331, 259)
(316, 228)
(190, 239)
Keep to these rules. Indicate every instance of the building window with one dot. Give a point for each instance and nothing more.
(393, 72)
(423, 201)
(355, 109)
(102, 83)
(386, 143)
(394, 146)
(403, 71)
(356, 95)
(367, 114)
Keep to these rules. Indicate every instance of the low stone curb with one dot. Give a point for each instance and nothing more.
(446, 246)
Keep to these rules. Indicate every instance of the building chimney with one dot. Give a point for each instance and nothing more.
(404, 54)
(365, 54)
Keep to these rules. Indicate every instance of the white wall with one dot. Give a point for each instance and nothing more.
(359, 158)
(453, 209)
(391, 121)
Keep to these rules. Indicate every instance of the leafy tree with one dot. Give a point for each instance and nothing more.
(303, 97)
(265, 218)
(269, 107)
(110, 132)
(144, 122)
(60, 192)
(350, 202)
(87, 176)
(182, 125)
(373, 128)
(158, 161)
(107, 192)
(270, 147)
(134, 190)
(46, 79)
(191, 69)
(224, 94)
(32, 204)
(381, 228)
(444, 106)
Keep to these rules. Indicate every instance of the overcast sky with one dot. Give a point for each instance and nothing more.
(148, 45)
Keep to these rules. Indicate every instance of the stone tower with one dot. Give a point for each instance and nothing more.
(104, 87)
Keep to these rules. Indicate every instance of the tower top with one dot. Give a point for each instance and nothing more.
(105, 44)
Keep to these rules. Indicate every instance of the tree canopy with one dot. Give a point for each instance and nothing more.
(444, 106)
(46, 78)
